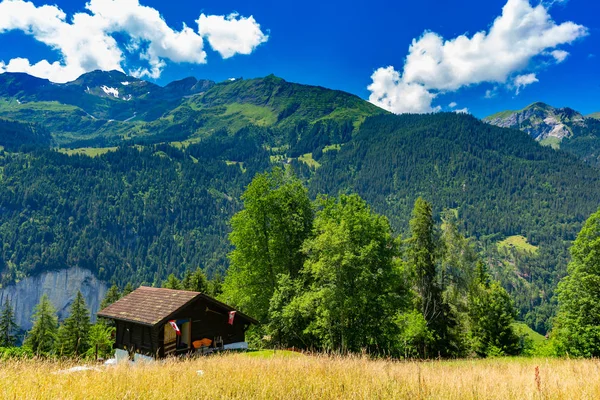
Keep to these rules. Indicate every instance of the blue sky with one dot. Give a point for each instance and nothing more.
(339, 45)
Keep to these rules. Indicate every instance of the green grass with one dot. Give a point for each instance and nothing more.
(53, 106)
(309, 160)
(553, 142)
(257, 115)
(335, 147)
(522, 329)
(517, 242)
(88, 151)
(501, 114)
(595, 115)
(238, 163)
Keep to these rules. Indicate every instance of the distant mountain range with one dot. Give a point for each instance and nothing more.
(562, 128)
(107, 108)
(135, 181)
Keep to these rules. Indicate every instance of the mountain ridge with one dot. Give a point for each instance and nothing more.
(562, 128)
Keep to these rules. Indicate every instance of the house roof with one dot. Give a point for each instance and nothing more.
(151, 306)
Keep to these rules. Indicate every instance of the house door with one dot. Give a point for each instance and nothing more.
(170, 340)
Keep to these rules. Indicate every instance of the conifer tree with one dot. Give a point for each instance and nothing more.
(195, 281)
(172, 283)
(424, 250)
(215, 286)
(73, 334)
(8, 326)
(111, 296)
(42, 336)
(492, 316)
(127, 289)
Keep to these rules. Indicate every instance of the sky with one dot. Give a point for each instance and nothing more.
(421, 56)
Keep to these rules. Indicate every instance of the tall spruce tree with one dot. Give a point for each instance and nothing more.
(424, 251)
(577, 325)
(73, 334)
(492, 316)
(195, 281)
(111, 296)
(267, 236)
(172, 283)
(127, 289)
(42, 336)
(8, 326)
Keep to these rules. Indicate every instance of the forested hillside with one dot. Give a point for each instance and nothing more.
(135, 200)
(499, 181)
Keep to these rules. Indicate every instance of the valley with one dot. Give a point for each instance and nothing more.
(141, 184)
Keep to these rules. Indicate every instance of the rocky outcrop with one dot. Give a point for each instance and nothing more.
(60, 286)
(540, 121)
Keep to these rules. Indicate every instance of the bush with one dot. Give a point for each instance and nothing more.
(7, 353)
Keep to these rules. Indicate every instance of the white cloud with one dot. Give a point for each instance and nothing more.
(559, 55)
(491, 93)
(524, 80)
(452, 105)
(462, 111)
(86, 42)
(434, 65)
(390, 92)
(231, 35)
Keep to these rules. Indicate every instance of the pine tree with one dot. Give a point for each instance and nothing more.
(127, 289)
(492, 316)
(424, 250)
(215, 286)
(111, 296)
(73, 334)
(42, 336)
(172, 283)
(8, 326)
(195, 281)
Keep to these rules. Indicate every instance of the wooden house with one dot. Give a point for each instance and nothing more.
(157, 323)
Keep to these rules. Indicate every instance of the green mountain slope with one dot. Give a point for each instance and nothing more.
(157, 195)
(595, 115)
(107, 108)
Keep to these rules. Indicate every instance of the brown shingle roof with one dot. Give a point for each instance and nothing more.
(148, 305)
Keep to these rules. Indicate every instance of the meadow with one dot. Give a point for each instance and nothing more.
(295, 376)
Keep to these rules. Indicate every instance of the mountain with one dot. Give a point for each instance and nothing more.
(594, 115)
(134, 200)
(107, 108)
(540, 121)
(562, 128)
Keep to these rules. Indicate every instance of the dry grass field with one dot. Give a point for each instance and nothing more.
(305, 377)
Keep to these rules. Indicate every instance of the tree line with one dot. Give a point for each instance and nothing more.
(330, 275)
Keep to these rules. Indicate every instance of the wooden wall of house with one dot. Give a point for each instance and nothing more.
(208, 321)
(136, 338)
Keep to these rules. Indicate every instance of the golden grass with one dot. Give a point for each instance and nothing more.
(309, 377)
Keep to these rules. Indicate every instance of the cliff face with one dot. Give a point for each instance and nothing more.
(540, 120)
(61, 288)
